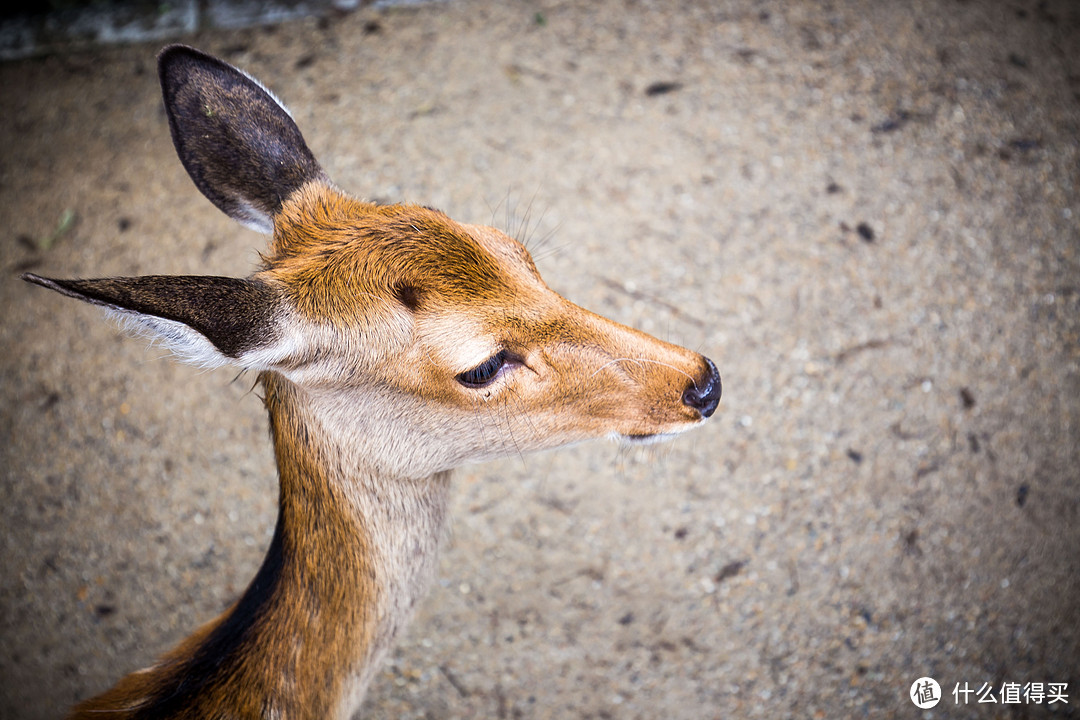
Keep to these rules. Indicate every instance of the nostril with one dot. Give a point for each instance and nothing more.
(704, 395)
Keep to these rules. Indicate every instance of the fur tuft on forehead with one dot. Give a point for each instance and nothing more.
(339, 257)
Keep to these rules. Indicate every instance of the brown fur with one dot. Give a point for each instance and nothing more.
(284, 649)
(335, 253)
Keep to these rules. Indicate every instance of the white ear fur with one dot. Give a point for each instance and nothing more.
(193, 348)
(252, 218)
(185, 344)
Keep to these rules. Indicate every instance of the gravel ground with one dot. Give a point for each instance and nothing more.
(868, 214)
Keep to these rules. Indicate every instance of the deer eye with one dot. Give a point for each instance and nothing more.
(483, 373)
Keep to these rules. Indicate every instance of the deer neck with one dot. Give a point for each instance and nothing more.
(357, 549)
(350, 557)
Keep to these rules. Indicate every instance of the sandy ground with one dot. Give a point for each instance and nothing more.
(867, 214)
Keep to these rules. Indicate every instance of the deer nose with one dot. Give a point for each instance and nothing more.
(704, 395)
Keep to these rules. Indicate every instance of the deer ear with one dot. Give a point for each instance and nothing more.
(208, 321)
(236, 140)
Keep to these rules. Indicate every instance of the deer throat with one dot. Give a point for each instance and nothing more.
(358, 550)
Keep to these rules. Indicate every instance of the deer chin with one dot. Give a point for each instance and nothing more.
(646, 439)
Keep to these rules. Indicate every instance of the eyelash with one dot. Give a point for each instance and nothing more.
(484, 373)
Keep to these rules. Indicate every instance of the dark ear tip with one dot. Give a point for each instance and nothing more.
(174, 58)
(168, 52)
(59, 286)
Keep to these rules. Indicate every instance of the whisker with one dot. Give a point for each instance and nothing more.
(510, 427)
(522, 231)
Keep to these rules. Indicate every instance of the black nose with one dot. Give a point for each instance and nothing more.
(704, 395)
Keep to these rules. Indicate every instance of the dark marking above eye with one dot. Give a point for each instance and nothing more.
(409, 295)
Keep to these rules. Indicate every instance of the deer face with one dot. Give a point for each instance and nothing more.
(443, 336)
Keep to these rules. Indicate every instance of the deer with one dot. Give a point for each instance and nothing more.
(391, 345)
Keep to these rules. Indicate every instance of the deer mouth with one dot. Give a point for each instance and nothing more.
(644, 439)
